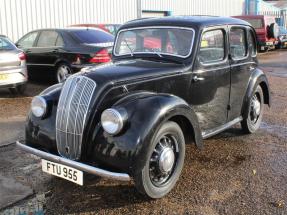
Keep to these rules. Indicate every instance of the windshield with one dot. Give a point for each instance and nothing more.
(93, 36)
(5, 44)
(256, 23)
(157, 40)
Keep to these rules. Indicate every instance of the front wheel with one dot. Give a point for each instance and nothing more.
(165, 161)
(255, 112)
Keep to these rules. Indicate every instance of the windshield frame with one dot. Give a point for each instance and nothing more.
(153, 53)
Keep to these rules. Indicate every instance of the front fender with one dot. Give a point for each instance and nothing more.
(257, 78)
(146, 112)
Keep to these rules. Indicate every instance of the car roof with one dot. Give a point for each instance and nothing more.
(185, 21)
(71, 28)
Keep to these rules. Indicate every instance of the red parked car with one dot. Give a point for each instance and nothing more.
(266, 29)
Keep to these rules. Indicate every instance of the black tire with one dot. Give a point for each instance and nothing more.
(146, 182)
(253, 121)
(62, 71)
(19, 90)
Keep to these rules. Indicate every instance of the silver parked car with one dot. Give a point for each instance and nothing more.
(13, 69)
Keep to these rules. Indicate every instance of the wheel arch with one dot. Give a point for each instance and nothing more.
(266, 93)
(62, 61)
(186, 127)
(258, 78)
(169, 108)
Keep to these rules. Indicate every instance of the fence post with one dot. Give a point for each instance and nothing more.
(139, 9)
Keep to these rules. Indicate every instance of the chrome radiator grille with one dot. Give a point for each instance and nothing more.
(72, 109)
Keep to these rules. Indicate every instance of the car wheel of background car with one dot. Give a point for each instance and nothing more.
(63, 70)
(273, 31)
(255, 112)
(18, 90)
(165, 161)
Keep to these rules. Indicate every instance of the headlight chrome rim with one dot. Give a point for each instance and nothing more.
(107, 125)
(40, 109)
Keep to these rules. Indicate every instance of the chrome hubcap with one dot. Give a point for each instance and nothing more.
(163, 160)
(63, 72)
(255, 108)
(166, 160)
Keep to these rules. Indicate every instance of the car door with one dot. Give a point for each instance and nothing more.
(242, 61)
(47, 50)
(210, 87)
(27, 44)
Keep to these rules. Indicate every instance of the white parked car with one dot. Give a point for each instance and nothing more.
(13, 69)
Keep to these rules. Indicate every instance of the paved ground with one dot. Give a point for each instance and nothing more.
(233, 174)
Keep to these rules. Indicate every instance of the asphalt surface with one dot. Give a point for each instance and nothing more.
(233, 174)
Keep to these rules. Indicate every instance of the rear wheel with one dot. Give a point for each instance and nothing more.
(255, 112)
(62, 72)
(165, 161)
(20, 89)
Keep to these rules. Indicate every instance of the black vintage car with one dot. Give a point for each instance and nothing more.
(172, 81)
(56, 53)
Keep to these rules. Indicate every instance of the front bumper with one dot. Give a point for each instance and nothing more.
(77, 165)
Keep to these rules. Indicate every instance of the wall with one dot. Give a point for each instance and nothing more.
(18, 17)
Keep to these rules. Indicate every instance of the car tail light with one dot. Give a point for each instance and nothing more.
(101, 57)
(22, 56)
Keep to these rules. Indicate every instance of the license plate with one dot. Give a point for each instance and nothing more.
(3, 77)
(63, 171)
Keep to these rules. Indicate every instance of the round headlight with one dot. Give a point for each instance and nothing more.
(39, 106)
(112, 121)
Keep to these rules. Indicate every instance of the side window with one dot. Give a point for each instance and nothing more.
(252, 42)
(47, 39)
(237, 43)
(28, 40)
(59, 41)
(212, 46)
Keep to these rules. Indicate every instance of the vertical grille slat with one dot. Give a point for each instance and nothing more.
(72, 110)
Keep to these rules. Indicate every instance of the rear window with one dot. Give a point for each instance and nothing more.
(92, 36)
(256, 23)
(5, 44)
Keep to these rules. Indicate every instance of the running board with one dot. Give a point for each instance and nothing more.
(211, 132)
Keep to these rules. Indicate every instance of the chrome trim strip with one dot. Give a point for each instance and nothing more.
(77, 165)
(153, 27)
(209, 133)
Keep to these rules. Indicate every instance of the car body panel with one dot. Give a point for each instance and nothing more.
(13, 70)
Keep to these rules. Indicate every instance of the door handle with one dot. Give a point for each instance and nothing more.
(196, 78)
(55, 50)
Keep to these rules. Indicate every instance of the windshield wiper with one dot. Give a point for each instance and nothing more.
(131, 51)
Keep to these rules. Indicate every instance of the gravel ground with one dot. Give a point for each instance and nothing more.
(233, 174)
